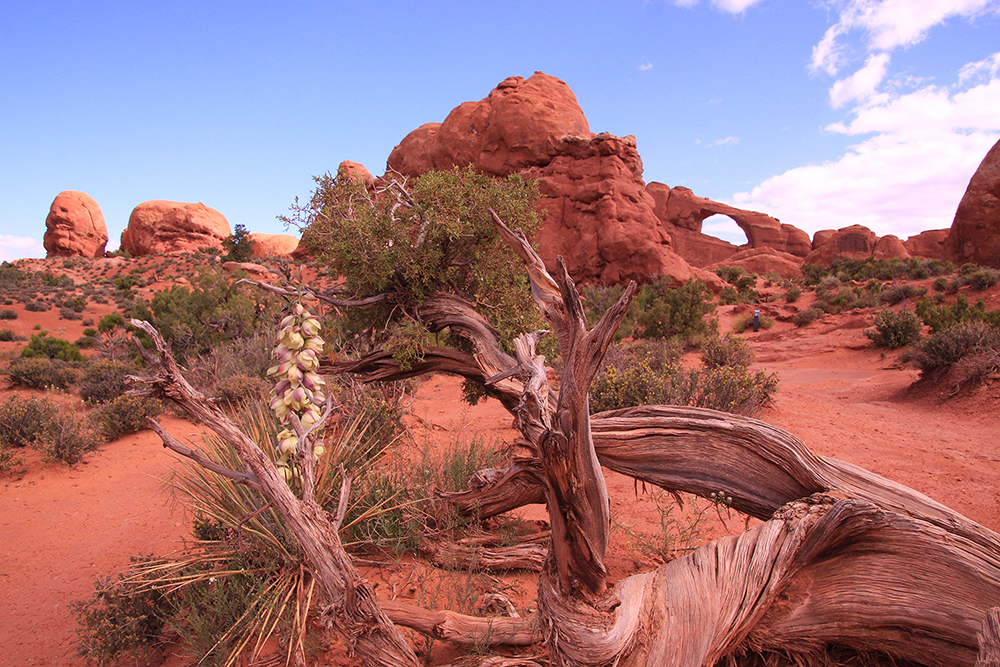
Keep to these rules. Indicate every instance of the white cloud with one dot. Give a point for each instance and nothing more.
(19, 247)
(985, 69)
(731, 6)
(734, 6)
(889, 24)
(725, 142)
(908, 177)
(862, 84)
(645, 65)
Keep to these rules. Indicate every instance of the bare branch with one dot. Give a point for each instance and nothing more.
(170, 443)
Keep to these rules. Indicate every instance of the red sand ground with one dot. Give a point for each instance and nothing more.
(63, 526)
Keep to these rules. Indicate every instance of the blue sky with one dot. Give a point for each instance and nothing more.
(824, 113)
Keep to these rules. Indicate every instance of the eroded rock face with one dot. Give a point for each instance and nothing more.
(596, 211)
(929, 244)
(75, 227)
(273, 245)
(167, 226)
(889, 247)
(678, 207)
(763, 261)
(854, 242)
(975, 232)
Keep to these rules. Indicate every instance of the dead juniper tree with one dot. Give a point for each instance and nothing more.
(844, 561)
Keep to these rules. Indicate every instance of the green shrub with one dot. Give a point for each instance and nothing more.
(940, 317)
(43, 346)
(663, 312)
(23, 420)
(983, 278)
(104, 380)
(36, 306)
(121, 618)
(894, 329)
(735, 389)
(69, 314)
(42, 373)
(792, 293)
(807, 316)
(630, 379)
(730, 273)
(67, 439)
(7, 335)
(945, 348)
(899, 293)
(726, 351)
(944, 284)
(8, 460)
(124, 415)
(8, 314)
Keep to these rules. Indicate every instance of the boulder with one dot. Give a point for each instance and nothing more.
(166, 226)
(356, 171)
(854, 242)
(253, 271)
(890, 247)
(273, 245)
(595, 209)
(763, 261)
(75, 227)
(975, 232)
(679, 207)
(929, 244)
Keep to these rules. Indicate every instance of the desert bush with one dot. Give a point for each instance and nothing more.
(914, 268)
(77, 304)
(42, 345)
(124, 415)
(726, 351)
(807, 316)
(945, 348)
(983, 278)
(792, 293)
(237, 389)
(69, 314)
(41, 373)
(7, 335)
(894, 329)
(104, 380)
(735, 389)
(899, 293)
(122, 618)
(597, 299)
(36, 306)
(639, 379)
(945, 284)
(661, 311)
(23, 420)
(8, 314)
(67, 439)
(940, 317)
(745, 321)
(8, 459)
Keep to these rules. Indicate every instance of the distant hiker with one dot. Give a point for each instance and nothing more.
(756, 320)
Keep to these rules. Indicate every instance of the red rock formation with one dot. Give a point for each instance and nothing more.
(763, 261)
(889, 247)
(273, 245)
(854, 242)
(822, 236)
(929, 244)
(165, 226)
(975, 232)
(75, 227)
(596, 211)
(679, 207)
(357, 172)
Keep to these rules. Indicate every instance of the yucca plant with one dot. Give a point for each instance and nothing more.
(243, 580)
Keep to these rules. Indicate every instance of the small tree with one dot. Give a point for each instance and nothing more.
(238, 245)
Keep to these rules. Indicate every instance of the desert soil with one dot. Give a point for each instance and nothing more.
(62, 527)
